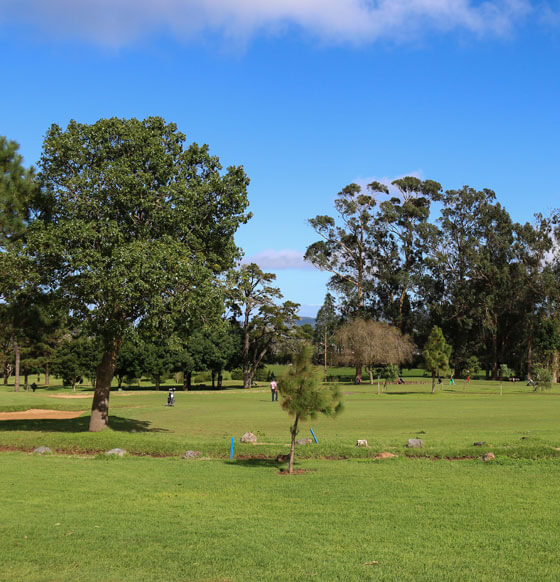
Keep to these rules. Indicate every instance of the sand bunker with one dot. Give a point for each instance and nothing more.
(70, 395)
(38, 413)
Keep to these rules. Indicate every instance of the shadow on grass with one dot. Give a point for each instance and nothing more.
(80, 424)
(255, 463)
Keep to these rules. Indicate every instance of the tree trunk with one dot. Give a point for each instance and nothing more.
(555, 365)
(494, 357)
(220, 380)
(433, 382)
(73, 384)
(213, 380)
(401, 309)
(370, 372)
(358, 373)
(325, 355)
(104, 375)
(26, 381)
(16, 373)
(247, 378)
(530, 351)
(187, 380)
(157, 378)
(47, 375)
(294, 431)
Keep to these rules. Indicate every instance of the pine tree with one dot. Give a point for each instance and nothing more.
(304, 395)
(436, 354)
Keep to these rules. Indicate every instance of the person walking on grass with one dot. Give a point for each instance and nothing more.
(452, 379)
(274, 390)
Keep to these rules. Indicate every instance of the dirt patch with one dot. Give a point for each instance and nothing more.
(39, 413)
(384, 455)
(294, 472)
(70, 395)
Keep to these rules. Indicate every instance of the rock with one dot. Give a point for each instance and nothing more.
(282, 458)
(384, 455)
(42, 450)
(191, 454)
(304, 441)
(119, 452)
(361, 443)
(478, 444)
(488, 457)
(248, 437)
(415, 443)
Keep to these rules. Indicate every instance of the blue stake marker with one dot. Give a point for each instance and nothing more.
(316, 441)
(231, 450)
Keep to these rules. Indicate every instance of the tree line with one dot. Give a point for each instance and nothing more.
(117, 258)
(417, 257)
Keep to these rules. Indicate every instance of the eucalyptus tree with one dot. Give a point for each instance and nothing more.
(538, 288)
(132, 225)
(406, 218)
(476, 262)
(349, 244)
(253, 302)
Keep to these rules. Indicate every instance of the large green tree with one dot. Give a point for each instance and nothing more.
(350, 244)
(133, 225)
(406, 218)
(263, 321)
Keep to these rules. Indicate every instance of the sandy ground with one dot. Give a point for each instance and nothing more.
(38, 413)
(70, 395)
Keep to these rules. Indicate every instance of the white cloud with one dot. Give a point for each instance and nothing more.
(272, 259)
(118, 23)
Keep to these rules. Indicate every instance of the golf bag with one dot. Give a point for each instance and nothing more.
(171, 397)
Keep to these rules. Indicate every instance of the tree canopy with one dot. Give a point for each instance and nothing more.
(132, 225)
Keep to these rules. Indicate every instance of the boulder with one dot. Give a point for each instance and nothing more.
(385, 455)
(415, 443)
(304, 441)
(42, 450)
(248, 437)
(362, 443)
(118, 452)
(488, 457)
(191, 454)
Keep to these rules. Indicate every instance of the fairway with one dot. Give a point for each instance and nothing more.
(166, 519)
(80, 515)
(519, 423)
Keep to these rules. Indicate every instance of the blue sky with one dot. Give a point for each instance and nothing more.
(307, 95)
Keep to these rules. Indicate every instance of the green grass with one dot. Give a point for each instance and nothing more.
(75, 517)
(519, 423)
(85, 519)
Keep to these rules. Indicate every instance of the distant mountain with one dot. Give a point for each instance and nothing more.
(304, 320)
